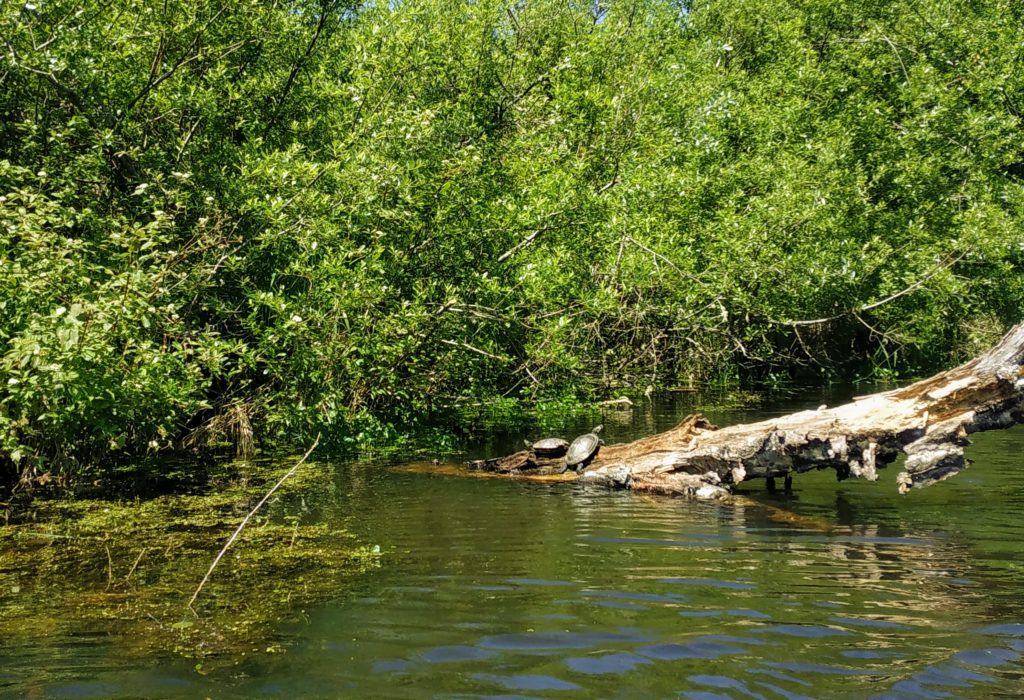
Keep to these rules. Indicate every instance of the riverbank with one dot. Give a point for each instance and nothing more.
(257, 223)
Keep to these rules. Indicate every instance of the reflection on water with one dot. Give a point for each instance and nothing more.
(494, 588)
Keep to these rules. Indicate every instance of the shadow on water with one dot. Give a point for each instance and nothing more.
(496, 588)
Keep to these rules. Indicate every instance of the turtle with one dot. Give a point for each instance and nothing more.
(583, 449)
(548, 447)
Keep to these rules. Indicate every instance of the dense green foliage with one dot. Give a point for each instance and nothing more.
(220, 218)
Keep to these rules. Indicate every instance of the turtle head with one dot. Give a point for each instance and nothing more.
(528, 444)
(598, 429)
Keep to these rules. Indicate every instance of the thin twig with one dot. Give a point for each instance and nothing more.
(914, 286)
(659, 256)
(135, 565)
(944, 265)
(252, 512)
(532, 237)
(471, 348)
(899, 58)
(188, 138)
(880, 334)
(717, 301)
(522, 244)
(807, 350)
(110, 568)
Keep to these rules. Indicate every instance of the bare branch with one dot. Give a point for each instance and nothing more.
(529, 239)
(471, 348)
(944, 265)
(245, 521)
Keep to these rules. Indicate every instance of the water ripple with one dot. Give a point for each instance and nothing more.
(711, 582)
(782, 692)
(811, 631)
(557, 640)
(619, 662)
(1012, 629)
(819, 668)
(537, 582)
(869, 622)
(725, 683)
(454, 653)
(527, 682)
(987, 657)
(629, 595)
(698, 649)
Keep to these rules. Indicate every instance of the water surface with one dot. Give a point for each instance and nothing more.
(493, 588)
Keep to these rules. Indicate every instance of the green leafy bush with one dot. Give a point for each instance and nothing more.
(257, 221)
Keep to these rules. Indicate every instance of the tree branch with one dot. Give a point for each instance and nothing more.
(245, 521)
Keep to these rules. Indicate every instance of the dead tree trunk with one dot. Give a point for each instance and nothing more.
(929, 421)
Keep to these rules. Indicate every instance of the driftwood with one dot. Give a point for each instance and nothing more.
(928, 421)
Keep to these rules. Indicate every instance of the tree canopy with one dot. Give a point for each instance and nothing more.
(267, 218)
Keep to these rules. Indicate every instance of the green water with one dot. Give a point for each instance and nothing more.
(495, 588)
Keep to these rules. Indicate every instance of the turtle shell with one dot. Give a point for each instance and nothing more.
(583, 448)
(550, 447)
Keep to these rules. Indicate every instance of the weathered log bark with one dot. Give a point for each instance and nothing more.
(929, 421)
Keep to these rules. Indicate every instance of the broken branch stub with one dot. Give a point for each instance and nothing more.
(929, 421)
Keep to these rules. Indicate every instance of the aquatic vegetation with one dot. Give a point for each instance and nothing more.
(130, 566)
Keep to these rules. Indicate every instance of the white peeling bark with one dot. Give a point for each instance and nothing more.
(928, 421)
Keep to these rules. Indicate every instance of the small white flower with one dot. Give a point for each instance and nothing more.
(12, 381)
(726, 47)
(296, 318)
(41, 173)
(60, 311)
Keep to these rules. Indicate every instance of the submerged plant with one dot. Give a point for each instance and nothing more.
(130, 566)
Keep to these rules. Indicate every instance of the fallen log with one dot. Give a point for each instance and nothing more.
(928, 421)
